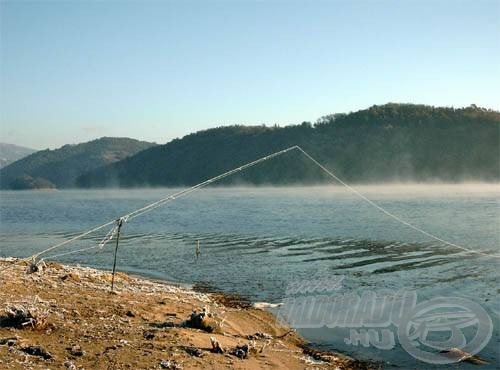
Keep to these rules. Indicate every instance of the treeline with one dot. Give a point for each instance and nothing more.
(392, 142)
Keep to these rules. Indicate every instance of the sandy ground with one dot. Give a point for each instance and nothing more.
(66, 317)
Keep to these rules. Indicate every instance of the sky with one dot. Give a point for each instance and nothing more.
(72, 71)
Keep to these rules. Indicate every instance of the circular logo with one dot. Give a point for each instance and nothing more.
(441, 318)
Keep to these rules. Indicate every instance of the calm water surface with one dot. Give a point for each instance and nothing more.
(254, 241)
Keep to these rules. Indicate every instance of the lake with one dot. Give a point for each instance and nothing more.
(255, 241)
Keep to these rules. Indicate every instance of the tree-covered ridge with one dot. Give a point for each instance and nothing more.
(60, 167)
(392, 142)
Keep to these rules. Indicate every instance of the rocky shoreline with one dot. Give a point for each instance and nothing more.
(66, 317)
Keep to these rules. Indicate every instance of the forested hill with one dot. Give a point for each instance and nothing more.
(393, 142)
(59, 168)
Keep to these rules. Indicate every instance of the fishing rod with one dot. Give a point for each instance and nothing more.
(148, 208)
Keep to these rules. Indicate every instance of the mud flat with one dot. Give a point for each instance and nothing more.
(66, 317)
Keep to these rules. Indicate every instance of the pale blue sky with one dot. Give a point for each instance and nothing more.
(72, 71)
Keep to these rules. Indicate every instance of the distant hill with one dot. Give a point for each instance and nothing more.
(10, 153)
(59, 168)
(392, 142)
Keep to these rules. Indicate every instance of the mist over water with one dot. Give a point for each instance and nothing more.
(254, 241)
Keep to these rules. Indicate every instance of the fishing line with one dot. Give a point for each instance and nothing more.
(154, 205)
(382, 209)
(172, 197)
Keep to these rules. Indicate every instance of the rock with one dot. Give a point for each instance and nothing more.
(170, 364)
(21, 316)
(259, 335)
(318, 355)
(163, 325)
(110, 348)
(148, 335)
(202, 320)
(69, 365)
(241, 351)
(32, 268)
(37, 351)
(8, 341)
(459, 355)
(70, 276)
(193, 351)
(15, 317)
(76, 351)
(216, 347)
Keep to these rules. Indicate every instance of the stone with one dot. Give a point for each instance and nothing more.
(37, 351)
(76, 351)
(170, 364)
(148, 335)
(216, 347)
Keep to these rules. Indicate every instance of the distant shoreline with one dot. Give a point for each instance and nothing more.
(402, 186)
